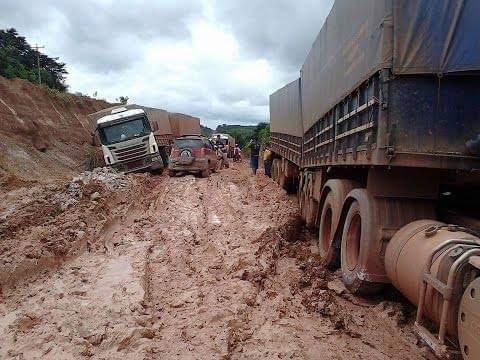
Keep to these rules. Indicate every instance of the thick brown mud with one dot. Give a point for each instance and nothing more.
(180, 268)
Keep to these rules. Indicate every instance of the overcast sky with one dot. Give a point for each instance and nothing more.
(216, 59)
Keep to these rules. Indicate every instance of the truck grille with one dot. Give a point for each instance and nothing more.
(131, 152)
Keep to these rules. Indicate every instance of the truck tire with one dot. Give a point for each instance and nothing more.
(164, 156)
(358, 226)
(329, 251)
(157, 172)
(329, 239)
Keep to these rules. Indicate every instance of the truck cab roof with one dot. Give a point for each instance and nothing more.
(116, 115)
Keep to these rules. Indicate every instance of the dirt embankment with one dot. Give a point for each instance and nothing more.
(43, 133)
(183, 268)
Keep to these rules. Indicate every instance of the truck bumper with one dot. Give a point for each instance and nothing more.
(149, 163)
(195, 165)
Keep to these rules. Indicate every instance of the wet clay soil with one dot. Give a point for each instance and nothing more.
(155, 267)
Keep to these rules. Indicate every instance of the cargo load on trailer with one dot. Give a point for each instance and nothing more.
(391, 78)
(182, 125)
(390, 155)
(286, 127)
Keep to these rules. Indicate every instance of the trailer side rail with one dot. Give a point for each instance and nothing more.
(350, 126)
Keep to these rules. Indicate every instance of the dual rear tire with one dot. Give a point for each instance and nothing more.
(345, 230)
(335, 192)
(358, 230)
(326, 235)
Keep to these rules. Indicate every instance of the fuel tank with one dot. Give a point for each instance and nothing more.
(425, 242)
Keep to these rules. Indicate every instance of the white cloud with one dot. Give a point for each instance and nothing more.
(219, 60)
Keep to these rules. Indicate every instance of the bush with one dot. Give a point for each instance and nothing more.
(93, 159)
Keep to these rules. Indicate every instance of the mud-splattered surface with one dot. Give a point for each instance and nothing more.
(180, 268)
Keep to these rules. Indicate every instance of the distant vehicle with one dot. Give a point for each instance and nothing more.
(227, 140)
(193, 154)
(127, 140)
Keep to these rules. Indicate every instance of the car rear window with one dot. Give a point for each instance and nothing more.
(188, 143)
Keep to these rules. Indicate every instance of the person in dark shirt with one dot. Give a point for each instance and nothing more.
(254, 154)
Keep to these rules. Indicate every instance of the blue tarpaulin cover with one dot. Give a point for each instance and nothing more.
(360, 37)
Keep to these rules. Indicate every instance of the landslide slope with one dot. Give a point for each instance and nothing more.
(44, 134)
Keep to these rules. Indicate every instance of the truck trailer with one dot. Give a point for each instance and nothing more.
(183, 125)
(380, 138)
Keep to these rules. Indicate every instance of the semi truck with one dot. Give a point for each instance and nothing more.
(130, 150)
(379, 137)
(126, 137)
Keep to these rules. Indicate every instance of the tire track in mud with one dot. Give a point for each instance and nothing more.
(195, 269)
(94, 304)
(229, 280)
(209, 271)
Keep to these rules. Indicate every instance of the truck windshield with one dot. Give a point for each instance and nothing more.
(125, 131)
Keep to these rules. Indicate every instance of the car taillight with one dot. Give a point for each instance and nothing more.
(175, 152)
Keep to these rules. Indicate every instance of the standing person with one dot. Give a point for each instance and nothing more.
(222, 150)
(237, 154)
(254, 154)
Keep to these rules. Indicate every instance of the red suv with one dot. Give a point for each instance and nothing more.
(193, 153)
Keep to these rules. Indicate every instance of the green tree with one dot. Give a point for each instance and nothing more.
(262, 132)
(19, 60)
(122, 100)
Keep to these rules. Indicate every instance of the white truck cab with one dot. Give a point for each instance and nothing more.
(127, 141)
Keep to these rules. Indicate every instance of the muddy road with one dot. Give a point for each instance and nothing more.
(141, 267)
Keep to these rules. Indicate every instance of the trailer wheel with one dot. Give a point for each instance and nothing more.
(301, 203)
(331, 223)
(326, 233)
(358, 227)
(283, 181)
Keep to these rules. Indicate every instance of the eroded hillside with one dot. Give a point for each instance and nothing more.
(43, 133)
